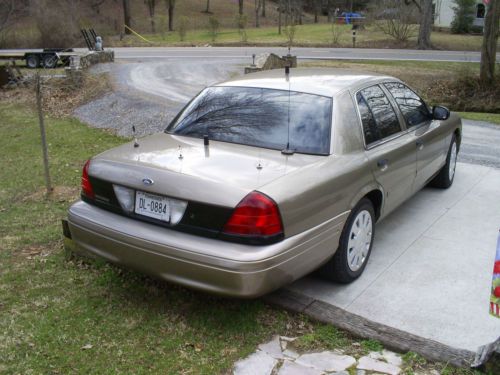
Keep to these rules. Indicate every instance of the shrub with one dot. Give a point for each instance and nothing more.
(395, 18)
(464, 16)
(337, 31)
(290, 31)
(241, 24)
(213, 27)
(183, 28)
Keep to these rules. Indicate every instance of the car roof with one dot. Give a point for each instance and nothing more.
(319, 81)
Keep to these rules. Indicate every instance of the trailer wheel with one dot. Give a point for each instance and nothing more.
(49, 61)
(32, 61)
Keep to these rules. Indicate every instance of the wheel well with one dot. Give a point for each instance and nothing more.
(376, 197)
(458, 136)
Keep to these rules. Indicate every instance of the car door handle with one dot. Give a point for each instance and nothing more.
(383, 164)
(420, 145)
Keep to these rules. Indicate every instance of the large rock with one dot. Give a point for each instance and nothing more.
(257, 363)
(326, 361)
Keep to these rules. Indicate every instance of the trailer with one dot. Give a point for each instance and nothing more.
(46, 58)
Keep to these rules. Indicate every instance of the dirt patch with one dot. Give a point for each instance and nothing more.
(59, 194)
(60, 95)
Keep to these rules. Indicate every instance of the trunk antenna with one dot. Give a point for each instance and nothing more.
(287, 150)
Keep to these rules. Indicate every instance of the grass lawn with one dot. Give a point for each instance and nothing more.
(493, 118)
(62, 315)
(305, 35)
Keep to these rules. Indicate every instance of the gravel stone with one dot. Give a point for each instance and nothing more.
(273, 348)
(256, 363)
(326, 361)
(370, 364)
(292, 368)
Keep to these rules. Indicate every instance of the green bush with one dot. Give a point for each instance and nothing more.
(183, 27)
(464, 16)
(213, 27)
(241, 24)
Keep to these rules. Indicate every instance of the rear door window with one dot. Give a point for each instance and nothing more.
(377, 114)
(413, 108)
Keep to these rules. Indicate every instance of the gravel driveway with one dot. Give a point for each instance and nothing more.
(148, 95)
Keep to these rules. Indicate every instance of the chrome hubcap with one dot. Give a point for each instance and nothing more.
(453, 161)
(360, 239)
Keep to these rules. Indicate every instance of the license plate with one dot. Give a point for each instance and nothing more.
(152, 205)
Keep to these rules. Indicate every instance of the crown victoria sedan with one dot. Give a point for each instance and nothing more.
(260, 180)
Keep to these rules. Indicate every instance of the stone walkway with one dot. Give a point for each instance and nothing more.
(277, 357)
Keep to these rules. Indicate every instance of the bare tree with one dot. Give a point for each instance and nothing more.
(490, 40)
(96, 5)
(9, 13)
(126, 16)
(396, 18)
(264, 8)
(280, 11)
(171, 8)
(426, 18)
(207, 8)
(240, 7)
(151, 4)
(258, 4)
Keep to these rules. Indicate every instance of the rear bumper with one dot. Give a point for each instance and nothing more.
(207, 264)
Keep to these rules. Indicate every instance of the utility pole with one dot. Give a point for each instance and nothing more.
(38, 90)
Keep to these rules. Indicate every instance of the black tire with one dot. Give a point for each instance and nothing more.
(337, 268)
(49, 61)
(32, 61)
(444, 180)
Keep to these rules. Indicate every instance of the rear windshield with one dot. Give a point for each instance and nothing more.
(259, 117)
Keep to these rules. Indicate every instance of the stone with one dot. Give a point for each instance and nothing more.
(326, 361)
(370, 364)
(360, 372)
(291, 354)
(387, 356)
(292, 368)
(256, 363)
(288, 339)
(273, 348)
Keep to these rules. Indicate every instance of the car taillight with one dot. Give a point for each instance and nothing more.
(256, 215)
(87, 189)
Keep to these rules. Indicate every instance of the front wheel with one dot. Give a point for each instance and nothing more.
(445, 177)
(355, 245)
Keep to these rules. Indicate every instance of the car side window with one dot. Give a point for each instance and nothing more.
(413, 108)
(377, 115)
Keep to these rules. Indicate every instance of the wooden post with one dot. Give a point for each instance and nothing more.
(38, 89)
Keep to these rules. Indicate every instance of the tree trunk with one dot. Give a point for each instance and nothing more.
(258, 3)
(208, 7)
(424, 32)
(330, 11)
(171, 6)
(240, 7)
(264, 8)
(316, 10)
(490, 39)
(280, 11)
(151, 8)
(126, 15)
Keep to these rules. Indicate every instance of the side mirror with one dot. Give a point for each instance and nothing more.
(440, 113)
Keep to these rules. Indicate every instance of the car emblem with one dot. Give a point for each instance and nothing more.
(147, 181)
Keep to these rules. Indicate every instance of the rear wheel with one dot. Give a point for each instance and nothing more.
(445, 177)
(32, 61)
(355, 245)
(49, 61)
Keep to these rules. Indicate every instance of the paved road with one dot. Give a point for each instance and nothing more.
(232, 53)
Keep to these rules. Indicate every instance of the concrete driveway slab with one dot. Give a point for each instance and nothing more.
(430, 269)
